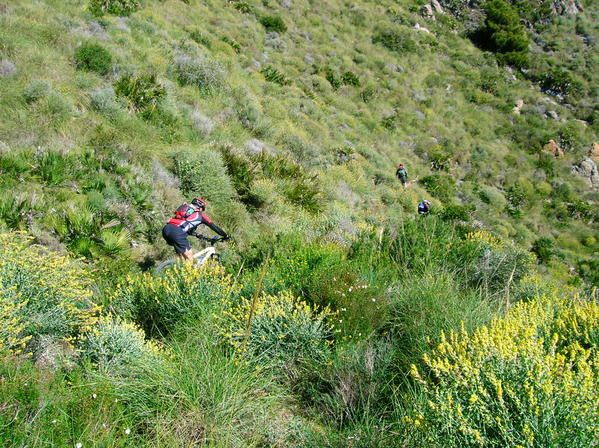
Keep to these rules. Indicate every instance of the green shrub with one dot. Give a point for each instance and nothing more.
(202, 72)
(333, 78)
(203, 173)
(503, 33)
(396, 39)
(350, 79)
(306, 193)
(35, 91)
(116, 7)
(242, 7)
(457, 212)
(440, 185)
(517, 380)
(93, 57)
(284, 333)
(544, 249)
(272, 74)
(143, 92)
(273, 23)
(560, 81)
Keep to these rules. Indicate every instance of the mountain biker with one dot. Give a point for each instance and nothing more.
(424, 207)
(186, 220)
(402, 174)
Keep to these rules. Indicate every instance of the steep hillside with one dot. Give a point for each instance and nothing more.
(338, 316)
(345, 90)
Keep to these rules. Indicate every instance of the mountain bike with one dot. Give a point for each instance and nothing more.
(199, 258)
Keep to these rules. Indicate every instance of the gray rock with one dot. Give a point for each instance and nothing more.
(587, 169)
(518, 106)
(553, 114)
(427, 12)
(7, 68)
(308, 59)
(255, 146)
(285, 3)
(437, 6)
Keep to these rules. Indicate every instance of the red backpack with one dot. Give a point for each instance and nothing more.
(184, 211)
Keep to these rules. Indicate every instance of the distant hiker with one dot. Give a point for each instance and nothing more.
(402, 174)
(424, 207)
(186, 220)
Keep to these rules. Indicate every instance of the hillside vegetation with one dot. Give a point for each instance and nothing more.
(338, 316)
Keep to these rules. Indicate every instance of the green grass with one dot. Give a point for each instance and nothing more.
(292, 124)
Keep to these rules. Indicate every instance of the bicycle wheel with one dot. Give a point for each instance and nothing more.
(166, 264)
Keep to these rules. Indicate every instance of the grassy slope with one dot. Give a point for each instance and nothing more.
(99, 180)
(437, 90)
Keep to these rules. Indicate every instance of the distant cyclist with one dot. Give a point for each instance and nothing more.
(402, 174)
(424, 207)
(186, 220)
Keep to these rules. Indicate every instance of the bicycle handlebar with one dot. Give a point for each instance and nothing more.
(215, 239)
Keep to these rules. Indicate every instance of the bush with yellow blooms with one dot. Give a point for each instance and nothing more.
(42, 293)
(528, 379)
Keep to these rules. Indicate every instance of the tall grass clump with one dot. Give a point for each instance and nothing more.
(44, 294)
(204, 73)
(203, 173)
(526, 379)
(93, 57)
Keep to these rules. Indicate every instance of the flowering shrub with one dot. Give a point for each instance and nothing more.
(41, 294)
(158, 303)
(12, 328)
(284, 332)
(528, 379)
(114, 345)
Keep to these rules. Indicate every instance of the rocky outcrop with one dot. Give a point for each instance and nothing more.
(437, 6)
(566, 7)
(587, 169)
(518, 107)
(553, 148)
(427, 12)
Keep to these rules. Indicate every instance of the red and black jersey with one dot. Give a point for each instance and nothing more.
(189, 224)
